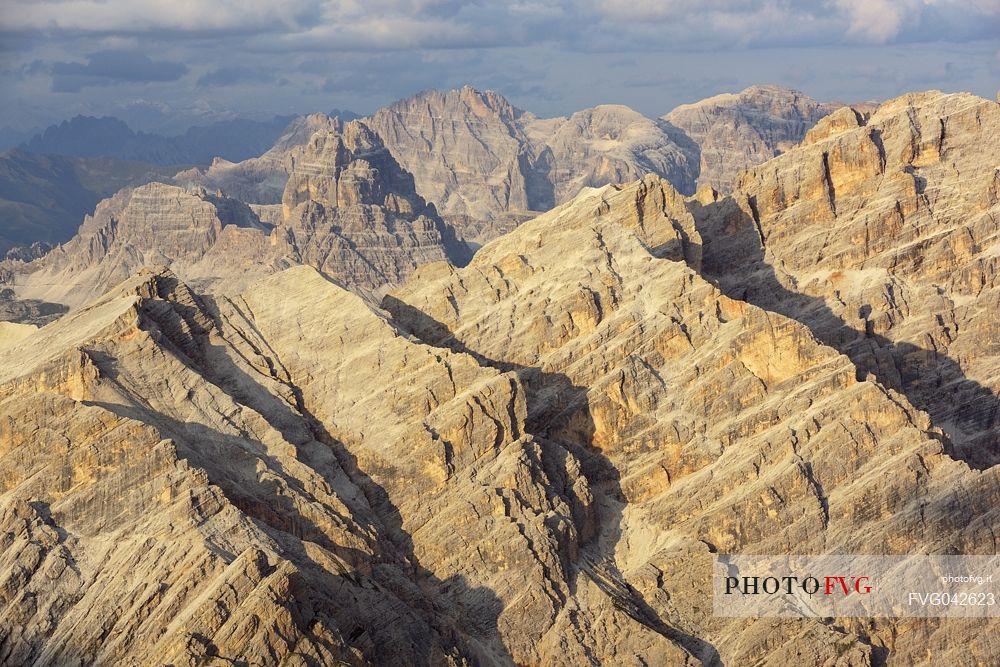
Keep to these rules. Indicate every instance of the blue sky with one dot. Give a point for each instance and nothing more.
(165, 63)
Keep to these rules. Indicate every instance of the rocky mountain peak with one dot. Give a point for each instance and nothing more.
(161, 215)
(489, 102)
(302, 128)
(735, 131)
(609, 120)
(346, 168)
(457, 102)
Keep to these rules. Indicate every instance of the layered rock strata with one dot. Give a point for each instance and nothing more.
(704, 424)
(880, 233)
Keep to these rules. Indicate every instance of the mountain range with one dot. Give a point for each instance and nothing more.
(481, 163)
(279, 413)
(487, 165)
(484, 164)
(86, 136)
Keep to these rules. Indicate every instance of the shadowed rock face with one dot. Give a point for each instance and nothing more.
(734, 132)
(348, 210)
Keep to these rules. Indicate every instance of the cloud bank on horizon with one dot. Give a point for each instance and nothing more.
(279, 56)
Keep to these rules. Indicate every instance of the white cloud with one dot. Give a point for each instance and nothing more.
(400, 24)
(370, 48)
(877, 21)
(142, 15)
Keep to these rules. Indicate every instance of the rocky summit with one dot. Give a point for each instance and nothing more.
(478, 157)
(320, 434)
(735, 131)
(348, 209)
(351, 211)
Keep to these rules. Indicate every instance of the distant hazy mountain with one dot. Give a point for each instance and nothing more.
(43, 198)
(347, 209)
(343, 114)
(735, 131)
(477, 156)
(86, 136)
(10, 137)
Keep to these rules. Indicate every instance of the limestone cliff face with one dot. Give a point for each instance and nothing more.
(703, 423)
(352, 212)
(260, 180)
(348, 210)
(881, 234)
(737, 131)
(477, 157)
(483, 163)
(340, 169)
